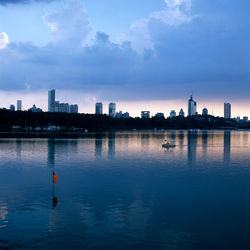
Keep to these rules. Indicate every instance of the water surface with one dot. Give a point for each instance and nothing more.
(123, 190)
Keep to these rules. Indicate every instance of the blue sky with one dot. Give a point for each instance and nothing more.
(127, 51)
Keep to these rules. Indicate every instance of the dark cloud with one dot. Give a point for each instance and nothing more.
(209, 56)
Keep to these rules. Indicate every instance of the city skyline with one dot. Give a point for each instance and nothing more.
(99, 108)
(155, 53)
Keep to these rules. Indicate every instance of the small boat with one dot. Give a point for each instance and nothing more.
(169, 144)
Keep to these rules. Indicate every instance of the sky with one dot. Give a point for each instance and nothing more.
(143, 55)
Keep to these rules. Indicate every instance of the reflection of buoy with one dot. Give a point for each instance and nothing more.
(55, 178)
(55, 201)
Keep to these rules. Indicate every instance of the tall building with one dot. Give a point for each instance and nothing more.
(51, 100)
(145, 114)
(19, 105)
(98, 108)
(112, 109)
(227, 110)
(192, 107)
(172, 114)
(181, 113)
(205, 111)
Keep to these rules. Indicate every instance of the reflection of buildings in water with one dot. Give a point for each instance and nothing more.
(3, 215)
(51, 152)
(245, 138)
(111, 145)
(227, 147)
(192, 146)
(73, 146)
(204, 139)
(145, 139)
(98, 146)
(18, 147)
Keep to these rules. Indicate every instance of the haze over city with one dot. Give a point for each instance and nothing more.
(150, 57)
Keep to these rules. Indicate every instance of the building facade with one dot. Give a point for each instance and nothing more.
(192, 107)
(12, 107)
(73, 108)
(51, 100)
(172, 114)
(19, 105)
(205, 111)
(98, 108)
(181, 113)
(160, 115)
(112, 109)
(145, 114)
(227, 110)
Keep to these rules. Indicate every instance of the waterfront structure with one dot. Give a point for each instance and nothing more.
(112, 109)
(145, 114)
(51, 100)
(12, 107)
(227, 110)
(98, 108)
(181, 113)
(192, 106)
(19, 105)
(160, 115)
(172, 114)
(205, 111)
(73, 108)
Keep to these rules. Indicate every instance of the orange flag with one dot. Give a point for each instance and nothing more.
(55, 178)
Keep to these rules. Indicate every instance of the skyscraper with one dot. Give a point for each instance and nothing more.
(51, 100)
(112, 109)
(192, 106)
(98, 108)
(227, 110)
(19, 105)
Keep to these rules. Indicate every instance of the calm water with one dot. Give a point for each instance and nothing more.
(123, 190)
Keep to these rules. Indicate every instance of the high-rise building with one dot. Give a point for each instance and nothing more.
(73, 109)
(145, 114)
(19, 105)
(12, 107)
(227, 110)
(192, 106)
(205, 111)
(112, 108)
(51, 100)
(172, 114)
(181, 113)
(98, 108)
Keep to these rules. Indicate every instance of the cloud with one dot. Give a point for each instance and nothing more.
(177, 12)
(69, 26)
(4, 40)
(156, 60)
(6, 2)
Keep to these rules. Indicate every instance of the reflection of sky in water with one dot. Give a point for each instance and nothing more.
(124, 190)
